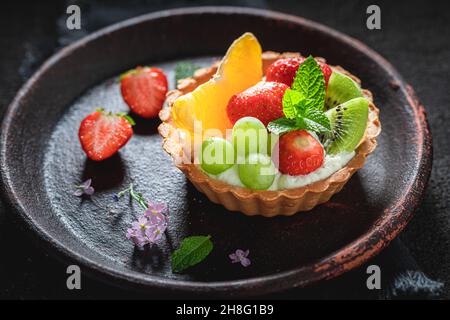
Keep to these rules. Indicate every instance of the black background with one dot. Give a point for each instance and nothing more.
(414, 38)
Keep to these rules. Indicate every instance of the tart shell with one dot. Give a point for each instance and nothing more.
(254, 202)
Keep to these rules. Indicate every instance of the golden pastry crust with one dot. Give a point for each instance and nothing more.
(266, 203)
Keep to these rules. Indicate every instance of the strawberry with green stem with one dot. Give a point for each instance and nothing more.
(144, 90)
(102, 134)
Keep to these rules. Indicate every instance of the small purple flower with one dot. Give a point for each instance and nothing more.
(137, 232)
(155, 232)
(156, 210)
(84, 189)
(157, 213)
(240, 256)
(115, 197)
(149, 228)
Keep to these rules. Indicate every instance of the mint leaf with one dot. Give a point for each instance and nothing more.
(291, 99)
(304, 102)
(307, 119)
(310, 82)
(192, 251)
(281, 125)
(184, 70)
(314, 120)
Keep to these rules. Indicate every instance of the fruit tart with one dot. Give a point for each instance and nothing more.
(269, 134)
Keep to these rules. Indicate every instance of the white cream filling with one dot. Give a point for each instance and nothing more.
(330, 165)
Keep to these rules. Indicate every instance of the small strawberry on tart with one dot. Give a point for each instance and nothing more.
(290, 130)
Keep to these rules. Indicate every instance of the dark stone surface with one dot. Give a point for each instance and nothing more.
(413, 38)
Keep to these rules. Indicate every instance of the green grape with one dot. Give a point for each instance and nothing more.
(258, 171)
(217, 155)
(249, 136)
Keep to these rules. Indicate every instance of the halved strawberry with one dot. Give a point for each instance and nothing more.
(144, 90)
(299, 153)
(102, 134)
(262, 101)
(284, 70)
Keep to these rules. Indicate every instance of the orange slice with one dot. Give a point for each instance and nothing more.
(240, 69)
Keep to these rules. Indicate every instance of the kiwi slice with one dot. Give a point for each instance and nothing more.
(348, 124)
(341, 89)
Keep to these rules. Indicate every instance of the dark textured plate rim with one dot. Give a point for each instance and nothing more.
(352, 255)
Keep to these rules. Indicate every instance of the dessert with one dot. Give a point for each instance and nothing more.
(279, 133)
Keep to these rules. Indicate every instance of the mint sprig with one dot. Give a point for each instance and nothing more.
(303, 104)
(306, 119)
(192, 251)
(312, 119)
(184, 70)
(310, 82)
(281, 125)
(291, 102)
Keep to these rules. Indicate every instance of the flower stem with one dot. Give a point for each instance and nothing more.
(138, 197)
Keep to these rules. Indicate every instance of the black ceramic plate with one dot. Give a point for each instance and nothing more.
(41, 158)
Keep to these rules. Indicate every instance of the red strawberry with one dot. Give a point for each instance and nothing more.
(326, 70)
(262, 101)
(298, 153)
(144, 90)
(283, 70)
(102, 134)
